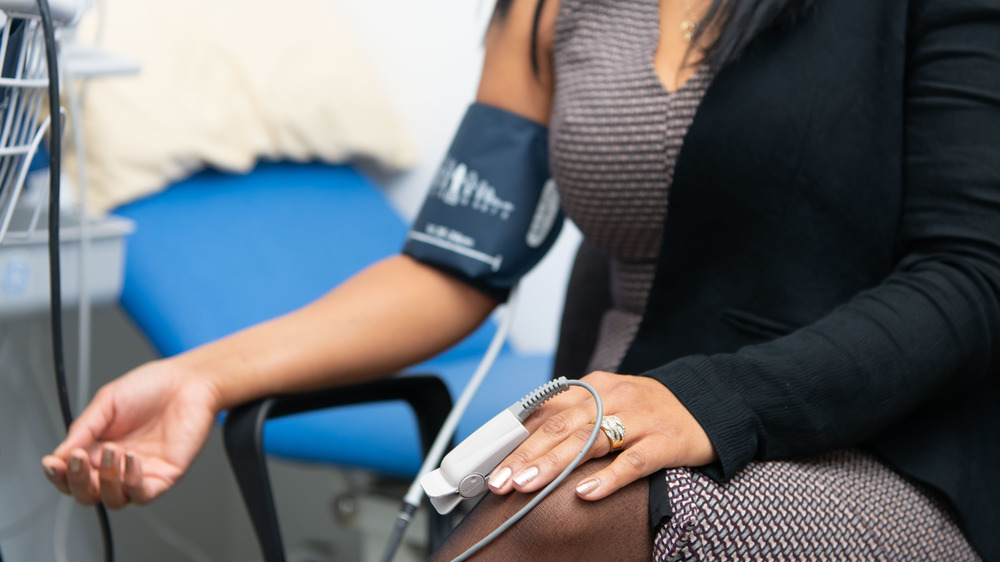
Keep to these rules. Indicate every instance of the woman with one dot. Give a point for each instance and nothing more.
(811, 323)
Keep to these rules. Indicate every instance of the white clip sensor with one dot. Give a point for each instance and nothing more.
(464, 471)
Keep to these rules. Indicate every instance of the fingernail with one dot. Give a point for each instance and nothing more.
(587, 486)
(129, 462)
(49, 471)
(107, 458)
(75, 464)
(500, 478)
(526, 475)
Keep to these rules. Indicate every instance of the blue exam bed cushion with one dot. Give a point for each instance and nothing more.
(218, 252)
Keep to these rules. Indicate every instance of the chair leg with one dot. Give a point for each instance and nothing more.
(431, 404)
(243, 435)
(438, 526)
(244, 431)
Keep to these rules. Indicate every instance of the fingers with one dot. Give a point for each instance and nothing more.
(560, 430)
(116, 481)
(628, 466)
(55, 471)
(535, 468)
(73, 476)
(82, 478)
(544, 455)
(112, 489)
(134, 483)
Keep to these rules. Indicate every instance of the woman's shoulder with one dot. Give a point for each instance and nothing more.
(517, 68)
(533, 20)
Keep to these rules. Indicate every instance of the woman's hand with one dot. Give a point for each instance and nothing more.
(659, 433)
(136, 438)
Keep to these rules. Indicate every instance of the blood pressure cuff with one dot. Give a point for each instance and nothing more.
(492, 211)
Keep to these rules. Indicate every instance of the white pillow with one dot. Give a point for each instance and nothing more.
(225, 83)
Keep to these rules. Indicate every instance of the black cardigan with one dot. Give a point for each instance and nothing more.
(830, 270)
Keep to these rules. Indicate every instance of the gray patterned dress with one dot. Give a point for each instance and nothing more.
(616, 133)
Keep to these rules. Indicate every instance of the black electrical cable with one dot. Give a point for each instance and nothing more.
(55, 273)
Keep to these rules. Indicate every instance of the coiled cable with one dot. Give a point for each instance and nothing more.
(531, 401)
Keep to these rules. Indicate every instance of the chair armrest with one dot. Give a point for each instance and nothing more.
(243, 433)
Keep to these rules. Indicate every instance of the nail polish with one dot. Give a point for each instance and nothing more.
(107, 458)
(49, 471)
(75, 464)
(526, 475)
(498, 480)
(587, 486)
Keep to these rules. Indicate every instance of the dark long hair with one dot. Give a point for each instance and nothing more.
(739, 23)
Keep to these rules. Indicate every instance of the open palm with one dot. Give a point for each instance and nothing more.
(136, 439)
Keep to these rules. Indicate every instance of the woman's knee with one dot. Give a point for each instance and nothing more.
(562, 526)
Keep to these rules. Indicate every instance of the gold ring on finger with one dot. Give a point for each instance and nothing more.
(614, 429)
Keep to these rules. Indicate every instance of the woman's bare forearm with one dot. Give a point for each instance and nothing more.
(391, 315)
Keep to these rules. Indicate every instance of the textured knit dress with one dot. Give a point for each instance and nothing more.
(616, 134)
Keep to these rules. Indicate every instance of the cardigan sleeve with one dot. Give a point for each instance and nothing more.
(933, 325)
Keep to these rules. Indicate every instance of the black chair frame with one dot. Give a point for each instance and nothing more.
(243, 433)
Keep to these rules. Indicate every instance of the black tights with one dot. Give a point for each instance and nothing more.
(562, 526)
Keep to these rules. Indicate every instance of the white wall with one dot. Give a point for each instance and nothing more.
(428, 55)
